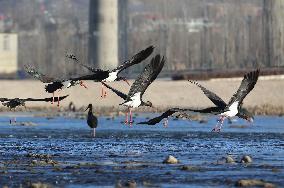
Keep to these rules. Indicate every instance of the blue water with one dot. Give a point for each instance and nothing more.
(120, 152)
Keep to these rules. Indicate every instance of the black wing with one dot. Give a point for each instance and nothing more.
(73, 57)
(118, 93)
(210, 95)
(92, 121)
(246, 86)
(46, 99)
(209, 110)
(149, 74)
(96, 76)
(137, 58)
(166, 114)
(37, 75)
(4, 99)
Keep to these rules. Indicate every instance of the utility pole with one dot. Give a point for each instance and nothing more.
(103, 33)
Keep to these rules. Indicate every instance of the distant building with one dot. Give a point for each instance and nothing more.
(8, 53)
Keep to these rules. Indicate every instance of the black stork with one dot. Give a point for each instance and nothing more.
(52, 84)
(234, 106)
(165, 115)
(92, 120)
(142, 82)
(16, 102)
(113, 75)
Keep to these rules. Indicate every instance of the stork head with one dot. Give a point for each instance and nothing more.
(245, 114)
(147, 103)
(90, 106)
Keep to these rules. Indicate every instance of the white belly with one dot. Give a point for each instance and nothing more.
(233, 110)
(112, 77)
(66, 84)
(135, 101)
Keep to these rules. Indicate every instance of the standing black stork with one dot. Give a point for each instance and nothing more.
(53, 84)
(142, 82)
(92, 120)
(234, 107)
(113, 75)
(16, 102)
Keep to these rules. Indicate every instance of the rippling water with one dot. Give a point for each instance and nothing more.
(136, 153)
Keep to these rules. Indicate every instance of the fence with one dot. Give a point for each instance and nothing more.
(194, 35)
(199, 35)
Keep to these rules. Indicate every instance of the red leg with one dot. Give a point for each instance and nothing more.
(102, 94)
(105, 93)
(130, 114)
(58, 102)
(219, 124)
(126, 117)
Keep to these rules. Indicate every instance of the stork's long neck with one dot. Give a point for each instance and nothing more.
(90, 110)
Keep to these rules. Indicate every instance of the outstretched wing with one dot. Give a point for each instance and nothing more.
(118, 93)
(47, 99)
(4, 99)
(166, 114)
(209, 110)
(149, 74)
(37, 75)
(137, 58)
(210, 95)
(73, 57)
(246, 86)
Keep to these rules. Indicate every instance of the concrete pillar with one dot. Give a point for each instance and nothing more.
(103, 30)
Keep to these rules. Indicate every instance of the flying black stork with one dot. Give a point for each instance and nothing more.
(165, 115)
(16, 102)
(142, 82)
(113, 75)
(234, 106)
(52, 84)
(92, 120)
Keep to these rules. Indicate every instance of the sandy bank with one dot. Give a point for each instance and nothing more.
(162, 93)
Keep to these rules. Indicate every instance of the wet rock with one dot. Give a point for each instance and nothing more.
(246, 159)
(38, 156)
(170, 160)
(276, 170)
(41, 159)
(38, 185)
(229, 159)
(128, 184)
(190, 168)
(239, 126)
(25, 124)
(203, 121)
(44, 162)
(50, 117)
(254, 182)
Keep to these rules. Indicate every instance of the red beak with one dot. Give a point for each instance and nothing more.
(124, 79)
(82, 84)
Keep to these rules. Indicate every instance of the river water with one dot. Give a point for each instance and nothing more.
(120, 153)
